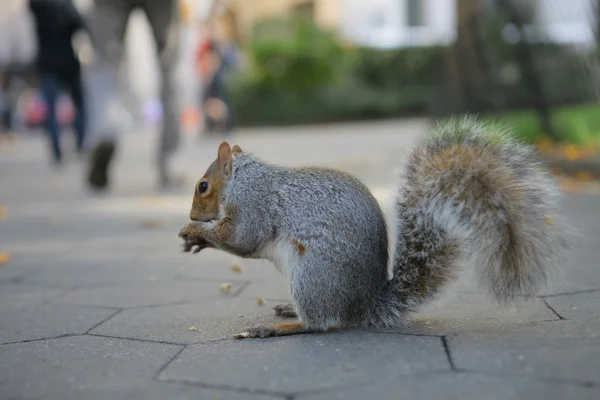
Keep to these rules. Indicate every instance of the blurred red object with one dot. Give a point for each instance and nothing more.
(35, 110)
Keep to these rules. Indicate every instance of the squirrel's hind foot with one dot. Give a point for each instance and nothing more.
(263, 331)
(285, 311)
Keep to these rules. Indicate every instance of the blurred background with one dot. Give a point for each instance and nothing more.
(534, 63)
(348, 84)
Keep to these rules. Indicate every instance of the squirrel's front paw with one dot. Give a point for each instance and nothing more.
(192, 243)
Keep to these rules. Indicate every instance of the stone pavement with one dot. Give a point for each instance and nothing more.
(98, 302)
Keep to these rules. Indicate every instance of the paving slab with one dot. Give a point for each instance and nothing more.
(307, 362)
(581, 270)
(73, 367)
(217, 318)
(264, 280)
(149, 294)
(19, 324)
(101, 271)
(153, 390)
(535, 352)
(457, 312)
(26, 313)
(112, 263)
(460, 386)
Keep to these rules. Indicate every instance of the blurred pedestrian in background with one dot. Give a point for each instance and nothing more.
(57, 21)
(6, 108)
(214, 59)
(108, 21)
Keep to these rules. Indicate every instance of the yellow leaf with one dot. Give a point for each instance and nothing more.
(3, 212)
(260, 301)
(5, 258)
(572, 152)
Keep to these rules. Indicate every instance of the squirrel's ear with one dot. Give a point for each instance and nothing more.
(236, 149)
(224, 159)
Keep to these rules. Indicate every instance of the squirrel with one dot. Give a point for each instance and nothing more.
(470, 194)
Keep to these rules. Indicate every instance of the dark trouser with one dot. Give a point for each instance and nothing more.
(7, 122)
(51, 85)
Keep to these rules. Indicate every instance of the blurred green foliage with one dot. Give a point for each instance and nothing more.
(576, 124)
(299, 73)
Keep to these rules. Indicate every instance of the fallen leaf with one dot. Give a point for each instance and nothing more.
(260, 301)
(5, 258)
(3, 212)
(225, 288)
(572, 152)
(193, 328)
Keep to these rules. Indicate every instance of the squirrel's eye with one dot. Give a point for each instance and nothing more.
(202, 187)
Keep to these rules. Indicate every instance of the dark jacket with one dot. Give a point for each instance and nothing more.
(56, 22)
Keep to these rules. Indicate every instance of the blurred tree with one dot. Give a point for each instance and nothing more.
(517, 18)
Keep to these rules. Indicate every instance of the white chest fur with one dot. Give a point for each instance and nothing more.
(282, 253)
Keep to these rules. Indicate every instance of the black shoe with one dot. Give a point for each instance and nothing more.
(101, 157)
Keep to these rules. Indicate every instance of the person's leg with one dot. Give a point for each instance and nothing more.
(6, 120)
(163, 18)
(50, 88)
(76, 92)
(107, 23)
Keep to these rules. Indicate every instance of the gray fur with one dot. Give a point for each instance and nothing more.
(489, 213)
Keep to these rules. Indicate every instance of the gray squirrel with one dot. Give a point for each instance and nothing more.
(470, 194)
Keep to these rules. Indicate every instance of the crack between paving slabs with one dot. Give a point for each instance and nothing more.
(237, 389)
(560, 317)
(42, 339)
(116, 312)
(446, 347)
(545, 296)
(134, 339)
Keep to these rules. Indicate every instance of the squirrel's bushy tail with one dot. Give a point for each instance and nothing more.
(472, 196)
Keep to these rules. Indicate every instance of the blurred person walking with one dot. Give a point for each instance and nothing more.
(6, 108)
(56, 22)
(213, 61)
(108, 22)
